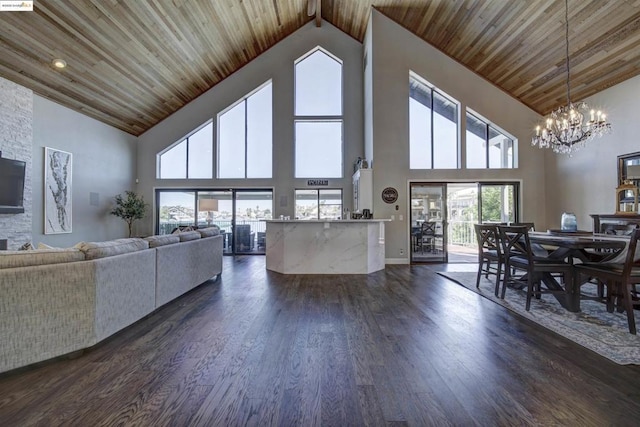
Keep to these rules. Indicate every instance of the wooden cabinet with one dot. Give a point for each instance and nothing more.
(363, 190)
(615, 224)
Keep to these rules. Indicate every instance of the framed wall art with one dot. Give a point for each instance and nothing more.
(57, 191)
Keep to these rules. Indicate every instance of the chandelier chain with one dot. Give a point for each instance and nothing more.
(565, 129)
(566, 45)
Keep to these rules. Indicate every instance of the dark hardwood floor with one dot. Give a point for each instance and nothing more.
(399, 347)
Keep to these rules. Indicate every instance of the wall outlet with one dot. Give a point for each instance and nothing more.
(401, 251)
(393, 217)
(401, 217)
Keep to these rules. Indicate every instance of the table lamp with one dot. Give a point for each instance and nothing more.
(208, 205)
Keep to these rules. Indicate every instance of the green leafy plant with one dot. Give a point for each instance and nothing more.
(130, 207)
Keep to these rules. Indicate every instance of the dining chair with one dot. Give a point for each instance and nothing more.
(537, 249)
(620, 279)
(415, 237)
(489, 252)
(519, 257)
(427, 236)
(530, 225)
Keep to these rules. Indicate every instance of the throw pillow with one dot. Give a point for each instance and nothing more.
(26, 247)
(182, 228)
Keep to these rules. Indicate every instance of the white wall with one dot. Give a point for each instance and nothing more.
(276, 64)
(585, 183)
(394, 51)
(103, 164)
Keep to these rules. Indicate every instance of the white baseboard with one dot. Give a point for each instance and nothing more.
(396, 261)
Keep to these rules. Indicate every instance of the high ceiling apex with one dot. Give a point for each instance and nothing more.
(132, 63)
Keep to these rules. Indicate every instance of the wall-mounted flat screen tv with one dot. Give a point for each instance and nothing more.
(12, 185)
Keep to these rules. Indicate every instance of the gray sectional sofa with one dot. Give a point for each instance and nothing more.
(57, 301)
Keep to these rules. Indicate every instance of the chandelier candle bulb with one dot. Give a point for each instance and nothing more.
(566, 130)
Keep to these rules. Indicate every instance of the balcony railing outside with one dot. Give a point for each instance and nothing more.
(225, 225)
(462, 233)
(256, 228)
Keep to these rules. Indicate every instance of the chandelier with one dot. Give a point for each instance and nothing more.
(565, 129)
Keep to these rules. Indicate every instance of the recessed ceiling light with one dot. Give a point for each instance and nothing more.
(59, 63)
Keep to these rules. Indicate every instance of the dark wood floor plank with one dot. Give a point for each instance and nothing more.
(339, 389)
(171, 405)
(403, 346)
(489, 376)
(370, 407)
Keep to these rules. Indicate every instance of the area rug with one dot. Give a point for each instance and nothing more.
(594, 328)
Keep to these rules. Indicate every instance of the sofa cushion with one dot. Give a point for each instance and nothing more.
(94, 250)
(188, 235)
(209, 231)
(161, 240)
(12, 259)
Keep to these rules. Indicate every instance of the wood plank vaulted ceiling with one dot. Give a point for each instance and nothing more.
(131, 63)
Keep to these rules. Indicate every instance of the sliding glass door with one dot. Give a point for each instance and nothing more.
(428, 224)
(455, 208)
(252, 207)
(462, 208)
(498, 202)
(217, 207)
(239, 213)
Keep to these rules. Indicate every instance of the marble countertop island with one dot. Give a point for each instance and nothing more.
(351, 246)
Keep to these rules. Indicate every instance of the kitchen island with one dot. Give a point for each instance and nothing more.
(352, 246)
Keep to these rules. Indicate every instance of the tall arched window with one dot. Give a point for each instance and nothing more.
(318, 118)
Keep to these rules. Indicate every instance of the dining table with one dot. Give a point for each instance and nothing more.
(574, 247)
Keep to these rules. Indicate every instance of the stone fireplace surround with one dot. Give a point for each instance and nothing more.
(16, 142)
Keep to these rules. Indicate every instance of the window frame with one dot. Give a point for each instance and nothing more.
(244, 101)
(435, 91)
(318, 118)
(487, 138)
(185, 140)
(318, 198)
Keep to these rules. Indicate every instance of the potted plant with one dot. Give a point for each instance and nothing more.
(130, 207)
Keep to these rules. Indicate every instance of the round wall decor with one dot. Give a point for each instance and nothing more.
(389, 195)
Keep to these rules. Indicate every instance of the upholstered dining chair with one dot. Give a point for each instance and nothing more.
(489, 253)
(620, 279)
(519, 258)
